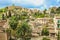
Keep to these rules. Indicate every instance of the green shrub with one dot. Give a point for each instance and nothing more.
(45, 32)
(45, 38)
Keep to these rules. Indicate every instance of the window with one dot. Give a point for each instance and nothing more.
(58, 25)
(58, 21)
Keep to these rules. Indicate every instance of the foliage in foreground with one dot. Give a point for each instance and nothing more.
(13, 23)
(24, 30)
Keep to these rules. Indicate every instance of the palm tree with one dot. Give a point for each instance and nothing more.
(23, 31)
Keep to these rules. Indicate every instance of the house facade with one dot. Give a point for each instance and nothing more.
(3, 33)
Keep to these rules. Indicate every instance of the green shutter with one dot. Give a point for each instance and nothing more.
(58, 25)
(58, 21)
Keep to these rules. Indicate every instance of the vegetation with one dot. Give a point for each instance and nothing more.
(45, 11)
(3, 17)
(9, 13)
(24, 16)
(24, 31)
(13, 22)
(45, 38)
(58, 10)
(39, 15)
(45, 32)
(58, 36)
(2, 10)
(21, 31)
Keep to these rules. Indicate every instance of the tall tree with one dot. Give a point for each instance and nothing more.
(45, 11)
(3, 17)
(24, 31)
(58, 10)
(58, 36)
(9, 13)
(13, 25)
(52, 12)
(13, 22)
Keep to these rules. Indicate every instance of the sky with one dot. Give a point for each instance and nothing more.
(38, 4)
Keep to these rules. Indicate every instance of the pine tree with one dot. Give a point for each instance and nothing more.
(3, 17)
(9, 13)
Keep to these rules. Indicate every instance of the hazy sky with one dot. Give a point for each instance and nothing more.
(39, 4)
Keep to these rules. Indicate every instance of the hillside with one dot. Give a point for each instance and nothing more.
(24, 22)
(51, 12)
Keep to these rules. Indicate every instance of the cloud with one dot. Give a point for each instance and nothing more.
(58, 0)
(39, 4)
(29, 2)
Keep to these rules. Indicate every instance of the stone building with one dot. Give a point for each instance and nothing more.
(3, 26)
